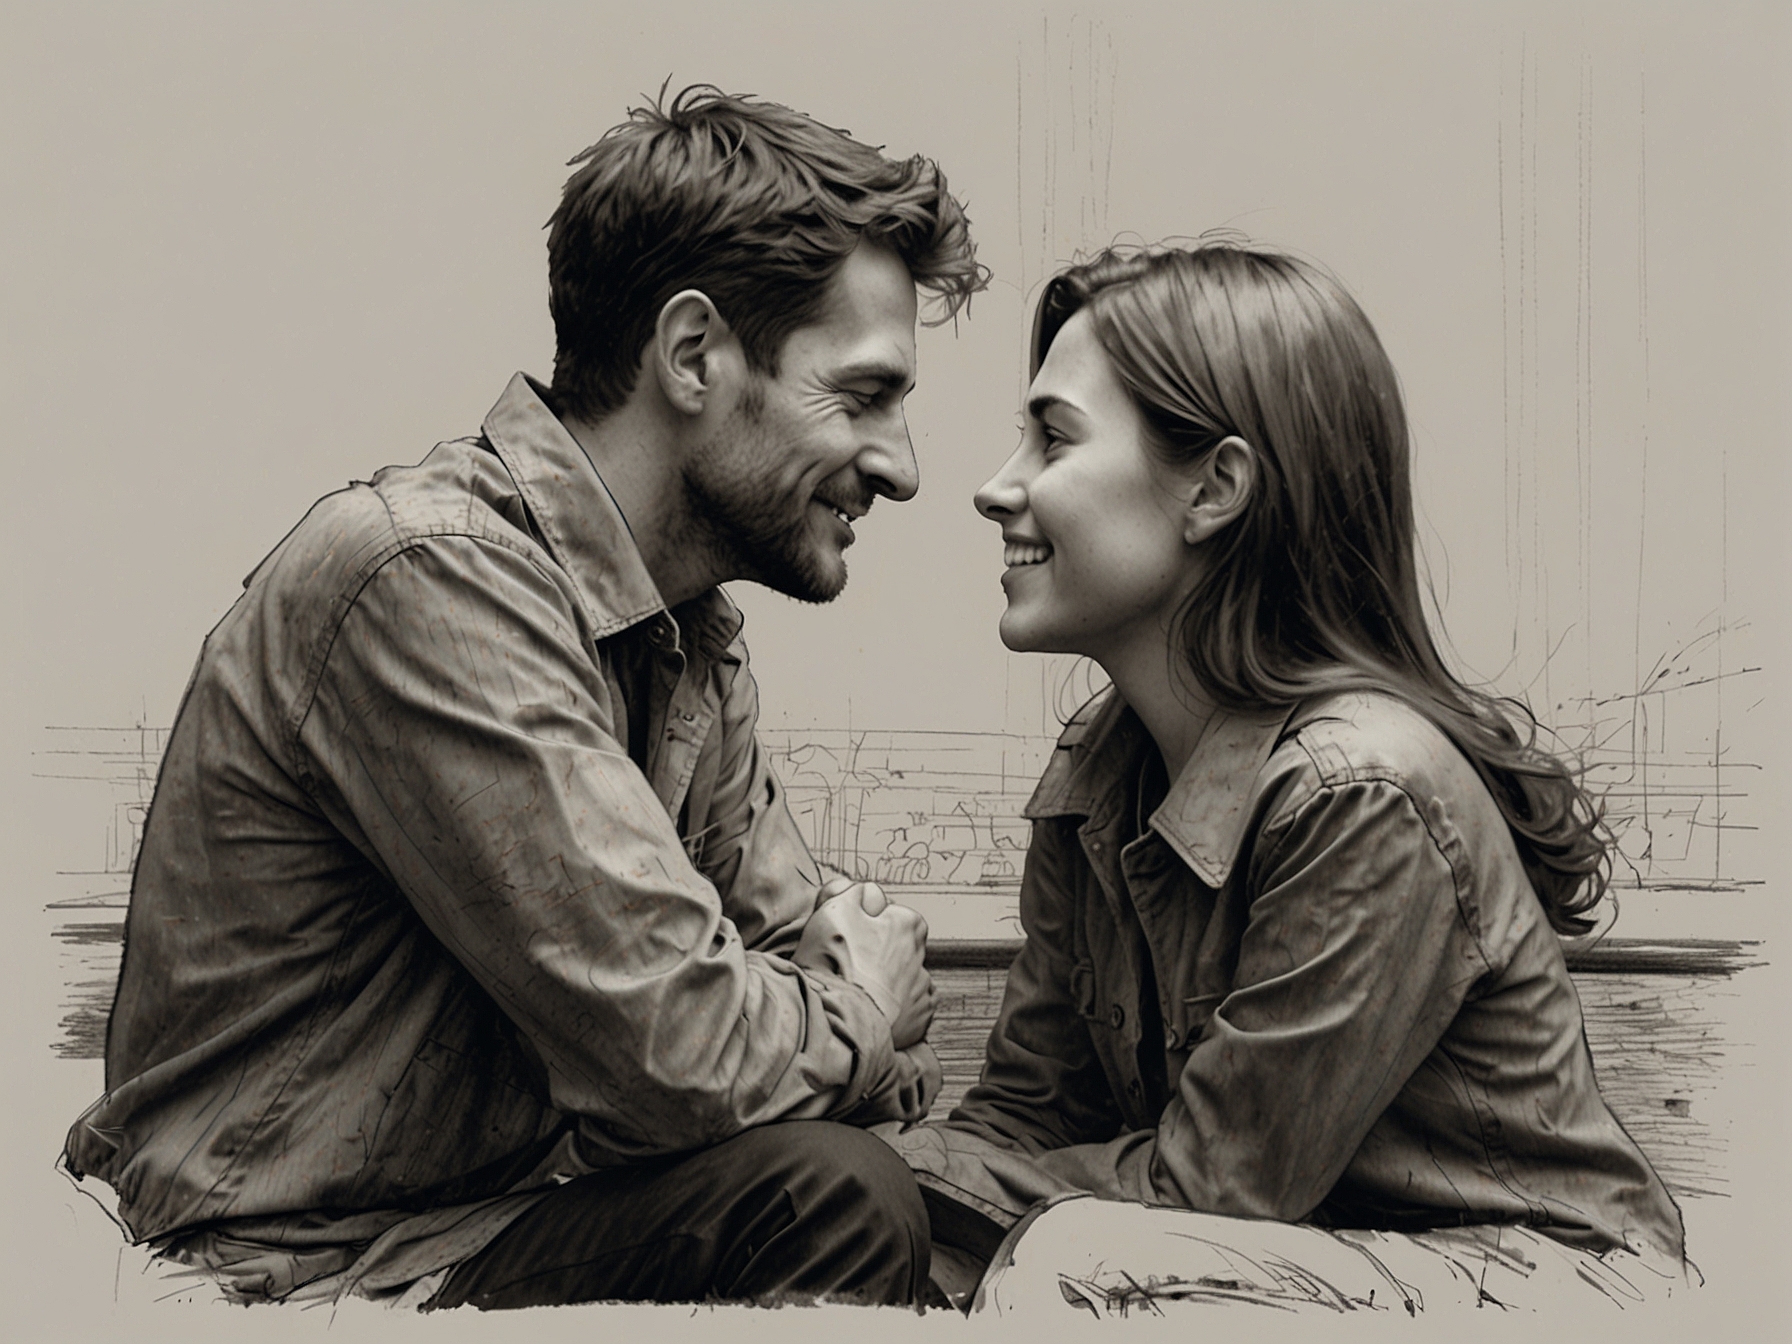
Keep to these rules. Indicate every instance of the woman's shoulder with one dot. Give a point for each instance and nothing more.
(1364, 736)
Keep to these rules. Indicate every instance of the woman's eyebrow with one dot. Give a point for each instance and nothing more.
(1038, 406)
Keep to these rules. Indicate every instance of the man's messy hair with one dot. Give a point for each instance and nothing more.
(753, 204)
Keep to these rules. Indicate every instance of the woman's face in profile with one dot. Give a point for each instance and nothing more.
(1092, 522)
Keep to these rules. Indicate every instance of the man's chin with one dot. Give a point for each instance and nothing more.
(819, 592)
(807, 582)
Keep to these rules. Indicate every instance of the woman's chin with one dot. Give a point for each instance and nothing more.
(1021, 636)
(1014, 634)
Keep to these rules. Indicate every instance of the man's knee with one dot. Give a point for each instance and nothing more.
(833, 1166)
(850, 1190)
(864, 1164)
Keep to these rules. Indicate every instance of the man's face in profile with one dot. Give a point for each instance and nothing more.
(804, 454)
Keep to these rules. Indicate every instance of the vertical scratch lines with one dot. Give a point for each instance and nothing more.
(1020, 196)
(1084, 125)
(1640, 748)
(1073, 127)
(1020, 159)
(1519, 444)
(1539, 570)
(1048, 216)
(1505, 345)
(1092, 205)
(1723, 617)
(1580, 338)
(1070, 122)
(1584, 432)
(1108, 163)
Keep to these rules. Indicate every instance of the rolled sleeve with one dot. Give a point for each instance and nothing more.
(464, 731)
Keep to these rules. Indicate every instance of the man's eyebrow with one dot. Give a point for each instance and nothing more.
(888, 374)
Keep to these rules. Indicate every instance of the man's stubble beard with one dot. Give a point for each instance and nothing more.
(739, 514)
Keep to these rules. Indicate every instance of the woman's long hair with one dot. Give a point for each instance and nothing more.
(1315, 588)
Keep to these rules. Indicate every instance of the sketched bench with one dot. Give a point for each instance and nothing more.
(1656, 1017)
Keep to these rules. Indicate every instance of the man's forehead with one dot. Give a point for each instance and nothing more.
(866, 325)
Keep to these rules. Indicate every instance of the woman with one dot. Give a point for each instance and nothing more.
(1294, 893)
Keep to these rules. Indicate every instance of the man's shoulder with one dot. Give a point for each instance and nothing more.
(461, 489)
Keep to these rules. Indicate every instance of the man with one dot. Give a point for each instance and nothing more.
(473, 955)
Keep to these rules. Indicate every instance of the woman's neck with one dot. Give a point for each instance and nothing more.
(1172, 707)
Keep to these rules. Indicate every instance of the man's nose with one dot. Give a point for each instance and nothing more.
(1004, 494)
(888, 462)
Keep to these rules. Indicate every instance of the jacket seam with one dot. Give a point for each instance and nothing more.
(345, 603)
(1282, 821)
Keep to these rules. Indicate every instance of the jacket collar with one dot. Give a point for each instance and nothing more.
(583, 529)
(1203, 817)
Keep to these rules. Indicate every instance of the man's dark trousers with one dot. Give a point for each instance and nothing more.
(803, 1211)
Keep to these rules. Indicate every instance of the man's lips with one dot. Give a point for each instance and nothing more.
(843, 519)
(848, 513)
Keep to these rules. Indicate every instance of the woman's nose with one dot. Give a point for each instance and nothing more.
(1002, 495)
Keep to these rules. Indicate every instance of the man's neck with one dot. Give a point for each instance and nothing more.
(636, 452)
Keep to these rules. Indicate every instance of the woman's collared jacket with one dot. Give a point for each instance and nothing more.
(1314, 984)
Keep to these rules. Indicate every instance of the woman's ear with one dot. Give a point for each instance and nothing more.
(1222, 488)
(690, 352)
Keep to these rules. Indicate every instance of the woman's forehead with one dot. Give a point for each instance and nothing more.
(1076, 371)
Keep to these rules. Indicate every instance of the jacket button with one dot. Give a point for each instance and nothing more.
(1117, 1017)
(1170, 1037)
(1134, 1088)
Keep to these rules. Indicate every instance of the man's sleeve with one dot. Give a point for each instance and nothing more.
(464, 730)
(748, 845)
(1355, 960)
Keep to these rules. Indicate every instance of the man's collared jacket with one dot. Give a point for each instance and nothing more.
(464, 874)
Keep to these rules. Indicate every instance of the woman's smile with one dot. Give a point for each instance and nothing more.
(1088, 513)
(1016, 554)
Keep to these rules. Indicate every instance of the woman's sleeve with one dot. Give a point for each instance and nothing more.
(1042, 1089)
(1355, 959)
(1043, 1086)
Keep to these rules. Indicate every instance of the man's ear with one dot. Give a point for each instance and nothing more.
(692, 352)
(1223, 484)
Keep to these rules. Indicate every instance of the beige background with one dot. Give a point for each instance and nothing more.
(253, 252)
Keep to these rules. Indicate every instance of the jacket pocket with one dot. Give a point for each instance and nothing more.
(1082, 989)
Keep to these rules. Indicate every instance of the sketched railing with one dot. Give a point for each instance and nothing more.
(927, 810)
(943, 810)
